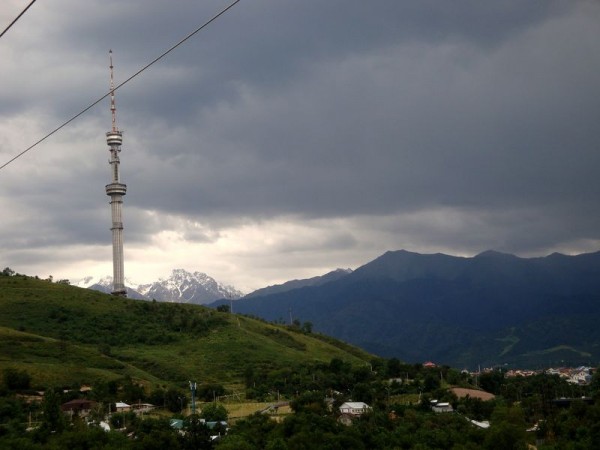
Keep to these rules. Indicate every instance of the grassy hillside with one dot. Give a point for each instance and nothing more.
(63, 335)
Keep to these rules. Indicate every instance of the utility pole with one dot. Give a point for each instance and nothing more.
(193, 389)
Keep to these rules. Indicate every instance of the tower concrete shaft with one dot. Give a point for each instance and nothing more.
(116, 190)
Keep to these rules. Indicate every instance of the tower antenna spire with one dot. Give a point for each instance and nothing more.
(116, 190)
(113, 106)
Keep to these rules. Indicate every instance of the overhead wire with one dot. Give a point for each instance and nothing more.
(17, 18)
(158, 58)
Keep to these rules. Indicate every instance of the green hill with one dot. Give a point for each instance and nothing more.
(63, 335)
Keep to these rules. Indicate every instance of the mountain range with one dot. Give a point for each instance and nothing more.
(181, 287)
(494, 308)
(296, 284)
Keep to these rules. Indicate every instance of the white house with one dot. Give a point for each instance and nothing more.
(354, 408)
(581, 376)
(441, 407)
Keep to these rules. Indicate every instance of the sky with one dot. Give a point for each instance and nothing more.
(290, 138)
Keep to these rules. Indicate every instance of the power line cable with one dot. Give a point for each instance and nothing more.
(83, 111)
(17, 18)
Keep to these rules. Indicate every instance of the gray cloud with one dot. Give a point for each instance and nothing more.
(432, 126)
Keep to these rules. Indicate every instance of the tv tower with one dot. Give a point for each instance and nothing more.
(116, 190)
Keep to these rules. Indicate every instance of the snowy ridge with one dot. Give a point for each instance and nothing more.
(181, 287)
(186, 287)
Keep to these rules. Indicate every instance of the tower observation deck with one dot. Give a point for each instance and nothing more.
(116, 190)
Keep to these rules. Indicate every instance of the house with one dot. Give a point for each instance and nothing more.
(79, 406)
(580, 376)
(122, 407)
(441, 407)
(354, 408)
(140, 408)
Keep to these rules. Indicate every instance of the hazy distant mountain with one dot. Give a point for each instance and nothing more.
(180, 287)
(296, 284)
(490, 309)
(186, 287)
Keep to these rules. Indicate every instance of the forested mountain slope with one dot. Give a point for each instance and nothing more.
(493, 308)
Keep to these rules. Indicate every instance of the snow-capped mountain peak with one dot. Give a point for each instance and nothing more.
(90, 281)
(181, 287)
(187, 287)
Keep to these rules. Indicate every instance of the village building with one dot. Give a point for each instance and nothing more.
(441, 407)
(122, 407)
(349, 411)
(354, 408)
(78, 407)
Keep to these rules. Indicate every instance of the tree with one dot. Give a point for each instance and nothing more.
(197, 434)
(175, 400)
(156, 434)
(209, 392)
(394, 368)
(505, 435)
(122, 419)
(15, 379)
(336, 366)
(214, 412)
(431, 382)
(507, 430)
(8, 272)
(235, 442)
(223, 308)
(310, 402)
(132, 391)
(595, 383)
(307, 327)
(362, 392)
(250, 433)
(492, 381)
(53, 418)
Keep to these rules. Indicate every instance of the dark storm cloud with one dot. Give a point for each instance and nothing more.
(460, 125)
(406, 126)
(268, 45)
(261, 43)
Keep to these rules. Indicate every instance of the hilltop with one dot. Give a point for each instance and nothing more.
(64, 335)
